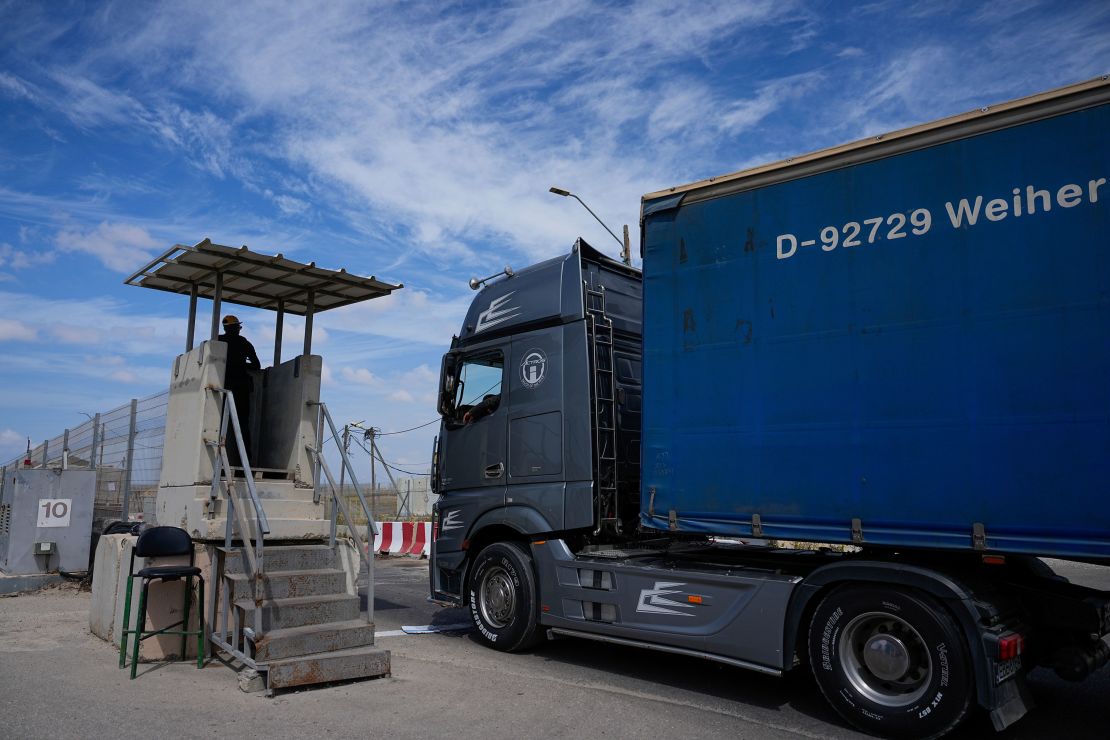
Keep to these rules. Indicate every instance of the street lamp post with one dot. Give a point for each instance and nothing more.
(626, 251)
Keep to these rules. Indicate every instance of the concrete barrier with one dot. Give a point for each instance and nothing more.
(165, 599)
(404, 538)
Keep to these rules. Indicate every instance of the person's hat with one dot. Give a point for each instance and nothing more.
(231, 320)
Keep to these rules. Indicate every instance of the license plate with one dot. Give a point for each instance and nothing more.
(1005, 669)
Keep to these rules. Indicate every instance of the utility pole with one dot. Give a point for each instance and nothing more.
(343, 468)
(372, 432)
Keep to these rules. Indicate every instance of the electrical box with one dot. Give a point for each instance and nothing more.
(46, 520)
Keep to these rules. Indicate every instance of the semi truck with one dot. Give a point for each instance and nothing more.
(897, 350)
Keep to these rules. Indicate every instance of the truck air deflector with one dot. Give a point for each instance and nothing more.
(663, 204)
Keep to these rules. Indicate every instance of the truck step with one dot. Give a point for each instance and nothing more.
(339, 665)
(302, 610)
(313, 638)
(284, 584)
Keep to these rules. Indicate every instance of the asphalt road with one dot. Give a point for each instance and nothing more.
(57, 681)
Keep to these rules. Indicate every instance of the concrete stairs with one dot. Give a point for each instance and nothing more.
(312, 631)
(291, 510)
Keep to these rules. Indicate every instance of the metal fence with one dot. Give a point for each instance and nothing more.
(124, 445)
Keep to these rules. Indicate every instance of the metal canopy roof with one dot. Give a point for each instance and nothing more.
(257, 280)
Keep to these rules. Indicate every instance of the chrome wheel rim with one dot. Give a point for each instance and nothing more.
(497, 598)
(885, 659)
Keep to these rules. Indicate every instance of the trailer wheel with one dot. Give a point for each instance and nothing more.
(503, 597)
(891, 662)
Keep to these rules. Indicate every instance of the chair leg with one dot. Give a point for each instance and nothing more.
(200, 623)
(126, 620)
(140, 625)
(185, 615)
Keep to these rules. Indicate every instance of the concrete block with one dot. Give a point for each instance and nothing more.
(350, 561)
(299, 611)
(165, 600)
(251, 681)
(311, 639)
(364, 662)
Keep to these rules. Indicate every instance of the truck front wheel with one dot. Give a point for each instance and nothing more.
(503, 597)
(890, 661)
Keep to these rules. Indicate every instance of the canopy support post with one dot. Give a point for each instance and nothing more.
(308, 322)
(192, 317)
(217, 297)
(277, 331)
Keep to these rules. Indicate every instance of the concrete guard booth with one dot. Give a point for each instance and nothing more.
(285, 399)
(282, 595)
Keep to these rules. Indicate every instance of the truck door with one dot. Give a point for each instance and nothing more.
(473, 447)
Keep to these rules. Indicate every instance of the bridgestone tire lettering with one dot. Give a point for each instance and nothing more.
(521, 629)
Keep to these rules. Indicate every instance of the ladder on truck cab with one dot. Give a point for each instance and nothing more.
(603, 394)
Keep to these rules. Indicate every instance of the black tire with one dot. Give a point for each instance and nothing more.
(892, 662)
(503, 597)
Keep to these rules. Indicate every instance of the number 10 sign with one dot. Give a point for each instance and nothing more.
(54, 512)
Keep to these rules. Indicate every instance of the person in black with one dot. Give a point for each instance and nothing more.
(486, 407)
(241, 358)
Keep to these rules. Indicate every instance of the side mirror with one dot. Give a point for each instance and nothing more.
(447, 384)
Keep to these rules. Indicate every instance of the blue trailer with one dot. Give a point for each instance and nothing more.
(898, 346)
(908, 346)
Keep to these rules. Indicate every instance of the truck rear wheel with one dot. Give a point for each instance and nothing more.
(891, 662)
(503, 597)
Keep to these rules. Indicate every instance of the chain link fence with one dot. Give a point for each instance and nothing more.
(123, 445)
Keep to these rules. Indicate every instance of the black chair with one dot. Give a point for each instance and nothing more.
(159, 542)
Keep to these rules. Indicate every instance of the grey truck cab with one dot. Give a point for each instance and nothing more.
(522, 441)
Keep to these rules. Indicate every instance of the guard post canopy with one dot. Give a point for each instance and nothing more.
(247, 278)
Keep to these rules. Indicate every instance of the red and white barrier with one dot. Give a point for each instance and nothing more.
(404, 538)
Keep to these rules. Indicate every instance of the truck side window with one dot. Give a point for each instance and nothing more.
(478, 393)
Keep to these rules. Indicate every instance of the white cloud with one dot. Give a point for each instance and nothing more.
(12, 443)
(742, 115)
(20, 259)
(120, 247)
(290, 205)
(17, 88)
(360, 375)
(94, 321)
(9, 437)
(401, 396)
(12, 330)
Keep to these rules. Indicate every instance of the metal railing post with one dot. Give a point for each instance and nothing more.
(95, 443)
(125, 514)
(370, 526)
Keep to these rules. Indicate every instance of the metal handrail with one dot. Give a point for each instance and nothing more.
(365, 549)
(230, 640)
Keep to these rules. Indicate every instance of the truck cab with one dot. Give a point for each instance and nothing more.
(540, 402)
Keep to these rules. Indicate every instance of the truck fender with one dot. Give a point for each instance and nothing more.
(525, 520)
(514, 522)
(954, 595)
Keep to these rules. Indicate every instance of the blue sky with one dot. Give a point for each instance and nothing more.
(416, 142)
